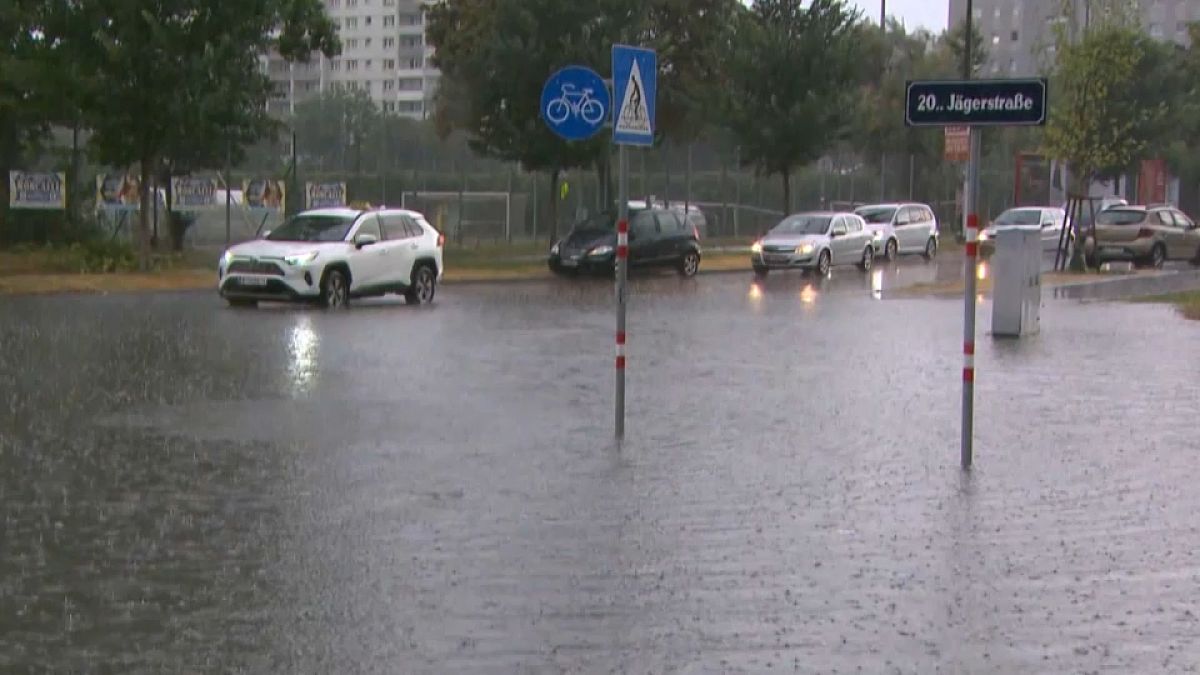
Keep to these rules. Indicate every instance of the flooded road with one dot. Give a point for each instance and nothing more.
(189, 488)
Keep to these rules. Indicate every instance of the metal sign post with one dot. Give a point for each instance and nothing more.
(973, 104)
(635, 80)
(970, 261)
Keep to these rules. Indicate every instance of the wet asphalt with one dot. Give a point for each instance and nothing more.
(189, 488)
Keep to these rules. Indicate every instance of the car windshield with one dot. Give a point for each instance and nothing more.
(803, 224)
(1120, 217)
(876, 215)
(604, 221)
(1020, 217)
(313, 228)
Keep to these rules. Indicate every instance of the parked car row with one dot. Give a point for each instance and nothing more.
(819, 240)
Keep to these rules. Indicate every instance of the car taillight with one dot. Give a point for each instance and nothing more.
(441, 240)
(1145, 232)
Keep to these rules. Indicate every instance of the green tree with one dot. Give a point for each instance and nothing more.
(333, 128)
(793, 79)
(178, 81)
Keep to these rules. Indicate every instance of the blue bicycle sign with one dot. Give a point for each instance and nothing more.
(575, 103)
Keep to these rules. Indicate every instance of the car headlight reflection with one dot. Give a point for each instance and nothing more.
(804, 249)
(600, 250)
(756, 247)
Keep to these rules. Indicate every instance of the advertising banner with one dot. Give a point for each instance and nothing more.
(324, 195)
(265, 193)
(192, 193)
(117, 192)
(37, 190)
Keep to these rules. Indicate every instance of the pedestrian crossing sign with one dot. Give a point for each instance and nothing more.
(635, 79)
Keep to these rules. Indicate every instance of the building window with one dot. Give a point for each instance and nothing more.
(336, 65)
(352, 64)
(335, 4)
(352, 22)
(389, 3)
(389, 85)
(410, 19)
(414, 63)
(352, 43)
(389, 106)
(389, 43)
(1016, 36)
(389, 64)
(995, 39)
(1156, 30)
(367, 65)
(410, 106)
(367, 20)
(352, 3)
(389, 21)
(410, 40)
(996, 14)
(367, 43)
(411, 84)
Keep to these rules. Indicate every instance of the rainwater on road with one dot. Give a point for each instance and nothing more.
(190, 488)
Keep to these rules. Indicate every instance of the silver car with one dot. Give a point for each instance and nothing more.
(901, 228)
(814, 241)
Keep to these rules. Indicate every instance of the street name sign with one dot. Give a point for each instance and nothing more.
(635, 84)
(976, 103)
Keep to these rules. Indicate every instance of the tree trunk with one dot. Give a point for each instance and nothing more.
(143, 233)
(786, 175)
(552, 212)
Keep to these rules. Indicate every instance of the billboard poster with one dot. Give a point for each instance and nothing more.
(118, 192)
(37, 190)
(324, 195)
(265, 193)
(191, 193)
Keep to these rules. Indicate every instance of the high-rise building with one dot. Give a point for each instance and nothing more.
(1019, 33)
(384, 53)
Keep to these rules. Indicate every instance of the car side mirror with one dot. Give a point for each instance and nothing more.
(837, 233)
(364, 240)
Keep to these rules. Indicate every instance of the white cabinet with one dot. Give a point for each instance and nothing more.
(1017, 283)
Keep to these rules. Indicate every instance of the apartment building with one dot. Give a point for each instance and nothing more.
(384, 53)
(1019, 33)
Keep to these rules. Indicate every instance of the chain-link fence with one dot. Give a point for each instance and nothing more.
(477, 200)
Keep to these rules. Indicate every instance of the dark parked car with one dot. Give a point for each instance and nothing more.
(658, 237)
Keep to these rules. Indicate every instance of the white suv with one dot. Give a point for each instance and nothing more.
(333, 255)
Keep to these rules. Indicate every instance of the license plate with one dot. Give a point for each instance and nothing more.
(570, 263)
(252, 281)
(778, 258)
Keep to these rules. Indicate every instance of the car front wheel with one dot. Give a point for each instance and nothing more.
(689, 266)
(423, 288)
(868, 259)
(930, 248)
(823, 263)
(335, 290)
(891, 250)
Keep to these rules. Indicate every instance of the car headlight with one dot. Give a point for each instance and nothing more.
(226, 258)
(554, 249)
(756, 247)
(601, 250)
(984, 236)
(804, 249)
(300, 258)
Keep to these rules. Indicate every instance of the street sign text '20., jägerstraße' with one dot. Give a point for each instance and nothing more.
(976, 103)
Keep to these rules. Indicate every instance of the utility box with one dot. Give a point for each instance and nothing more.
(1017, 282)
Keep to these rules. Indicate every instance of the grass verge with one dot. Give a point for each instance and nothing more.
(22, 274)
(1187, 302)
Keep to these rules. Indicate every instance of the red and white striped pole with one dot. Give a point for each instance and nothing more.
(622, 274)
(970, 206)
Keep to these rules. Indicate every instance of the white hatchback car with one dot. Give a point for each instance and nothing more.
(332, 255)
(1045, 219)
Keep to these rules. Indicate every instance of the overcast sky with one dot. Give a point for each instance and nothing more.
(930, 14)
